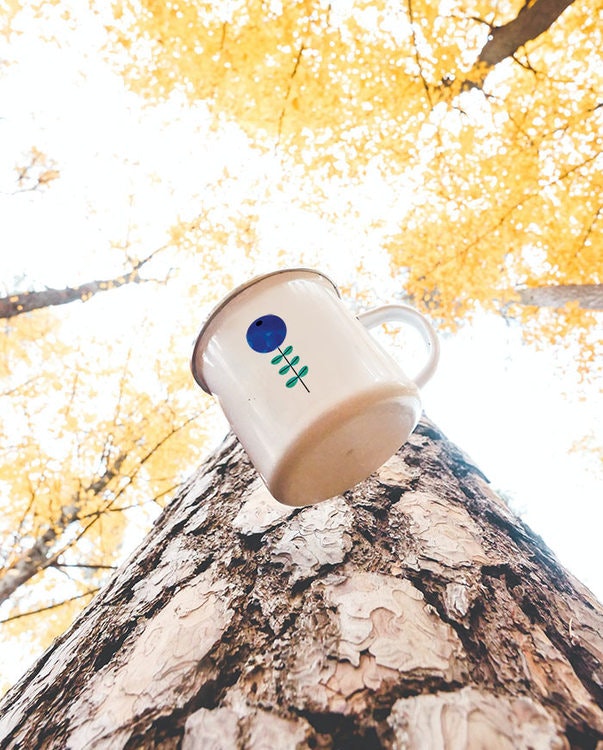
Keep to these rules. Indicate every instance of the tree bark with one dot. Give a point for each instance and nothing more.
(415, 611)
(588, 296)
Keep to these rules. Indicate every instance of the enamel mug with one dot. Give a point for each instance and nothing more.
(314, 399)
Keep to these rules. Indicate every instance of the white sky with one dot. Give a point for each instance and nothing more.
(127, 170)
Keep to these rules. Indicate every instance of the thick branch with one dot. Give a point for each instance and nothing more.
(503, 42)
(533, 19)
(17, 304)
(588, 296)
(366, 621)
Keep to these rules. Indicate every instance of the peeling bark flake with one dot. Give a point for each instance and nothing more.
(446, 533)
(471, 719)
(211, 730)
(153, 666)
(388, 617)
(319, 535)
(260, 512)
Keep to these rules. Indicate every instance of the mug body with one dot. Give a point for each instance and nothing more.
(316, 402)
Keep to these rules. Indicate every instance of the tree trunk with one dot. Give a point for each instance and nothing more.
(416, 611)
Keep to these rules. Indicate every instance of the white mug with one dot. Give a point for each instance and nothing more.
(315, 401)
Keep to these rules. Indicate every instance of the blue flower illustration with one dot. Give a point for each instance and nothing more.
(266, 334)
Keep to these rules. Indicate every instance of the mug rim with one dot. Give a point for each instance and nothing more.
(228, 299)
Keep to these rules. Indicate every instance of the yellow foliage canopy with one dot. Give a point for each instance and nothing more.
(96, 434)
(507, 174)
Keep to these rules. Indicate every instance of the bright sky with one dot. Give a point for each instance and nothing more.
(129, 172)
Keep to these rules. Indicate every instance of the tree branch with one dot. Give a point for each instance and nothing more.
(17, 304)
(90, 592)
(296, 65)
(503, 42)
(588, 296)
(83, 565)
(532, 20)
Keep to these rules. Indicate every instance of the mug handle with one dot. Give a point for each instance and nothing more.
(406, 314)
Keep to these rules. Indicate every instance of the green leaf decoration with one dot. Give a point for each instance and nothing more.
(290, 366)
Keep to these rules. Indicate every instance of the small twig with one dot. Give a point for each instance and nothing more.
(83, 565)
(289, 87)
(90, 592)
(417, 55)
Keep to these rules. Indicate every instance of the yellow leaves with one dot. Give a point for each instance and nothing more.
(48, 175)
(85, 441)
(467, 139)
(37, 172)
(341, 88)
(9, 10)
(20, 339)
(276, 73)
(569, 328)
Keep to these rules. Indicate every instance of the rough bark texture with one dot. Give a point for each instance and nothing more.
(415, 611)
